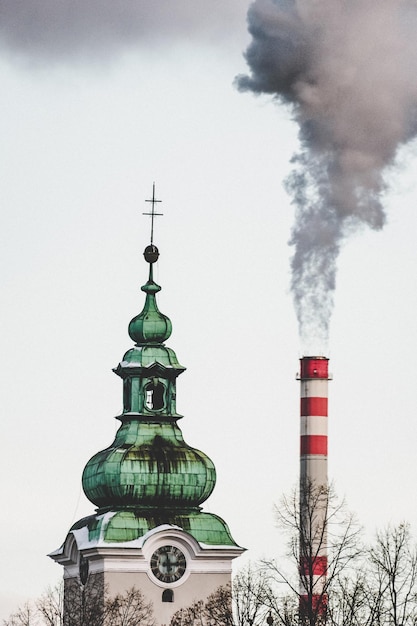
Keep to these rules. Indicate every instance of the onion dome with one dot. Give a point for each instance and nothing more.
(149, 466)
(150, 326)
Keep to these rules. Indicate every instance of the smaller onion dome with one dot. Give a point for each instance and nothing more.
(150, 326)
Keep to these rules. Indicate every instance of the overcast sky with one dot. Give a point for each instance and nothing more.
(98, 101)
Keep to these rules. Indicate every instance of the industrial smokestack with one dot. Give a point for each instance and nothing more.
(314, 377)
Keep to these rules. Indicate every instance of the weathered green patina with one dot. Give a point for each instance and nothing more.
(150, 326)
(125, 526)
(149, 465)
(149, 476)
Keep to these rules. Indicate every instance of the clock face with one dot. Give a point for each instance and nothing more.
(168, 564)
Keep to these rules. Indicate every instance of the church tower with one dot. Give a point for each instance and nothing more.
(149, 531)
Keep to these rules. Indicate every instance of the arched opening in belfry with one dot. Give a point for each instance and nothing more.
(155, 392)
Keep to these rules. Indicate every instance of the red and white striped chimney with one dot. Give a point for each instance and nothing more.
(314, 377)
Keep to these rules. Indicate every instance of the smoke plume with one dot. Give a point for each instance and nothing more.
(64, 29)
(347, 69)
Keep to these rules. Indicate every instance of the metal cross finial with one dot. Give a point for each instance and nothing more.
(152, 213)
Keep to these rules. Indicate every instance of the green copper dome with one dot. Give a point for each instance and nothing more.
(150, 326)
(124, 526)
(149, 466)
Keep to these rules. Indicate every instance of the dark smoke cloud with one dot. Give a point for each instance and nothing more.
(64, 29)
(347, 69)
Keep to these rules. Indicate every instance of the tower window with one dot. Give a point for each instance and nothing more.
(154, 395)
(167, 595)
(127, 394)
